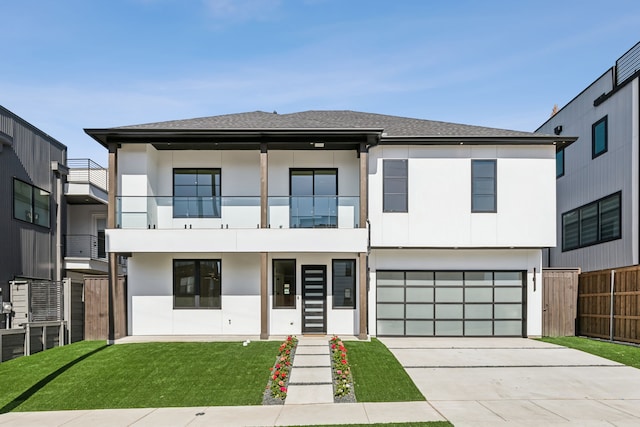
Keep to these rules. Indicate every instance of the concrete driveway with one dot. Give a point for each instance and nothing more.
(515, 381)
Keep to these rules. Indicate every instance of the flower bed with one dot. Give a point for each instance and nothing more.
(276, 391)
(342, 379)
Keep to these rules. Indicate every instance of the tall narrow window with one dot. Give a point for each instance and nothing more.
(599, 138)
(560, 163)
(284, 283)
(196, 193)
(314, 198)
(395, 185)
(196, 283)
(483, 186)
(31, 204)
(344, 283)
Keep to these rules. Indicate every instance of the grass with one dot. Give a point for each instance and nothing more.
(625, 354)
(377, 374)
(90, 375)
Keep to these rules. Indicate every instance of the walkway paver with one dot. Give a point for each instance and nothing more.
(311, 380)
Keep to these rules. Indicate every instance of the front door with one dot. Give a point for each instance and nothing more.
(314, 299)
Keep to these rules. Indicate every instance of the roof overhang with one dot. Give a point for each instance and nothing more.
(238, 139)
(557, 141)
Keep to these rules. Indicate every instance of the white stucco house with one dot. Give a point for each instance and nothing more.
(330, 222)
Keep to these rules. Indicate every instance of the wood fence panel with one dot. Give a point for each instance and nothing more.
(594, 304)
(560, 298)
(96, 308)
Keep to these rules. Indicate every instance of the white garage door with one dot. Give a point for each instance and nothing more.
(451, 303)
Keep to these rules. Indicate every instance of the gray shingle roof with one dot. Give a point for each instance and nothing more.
(393, 126)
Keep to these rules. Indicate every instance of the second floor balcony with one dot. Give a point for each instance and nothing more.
(142, 212)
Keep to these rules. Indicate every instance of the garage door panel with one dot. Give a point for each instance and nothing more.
(420, 278)
(420, 294)
(479, 278)
(478, 311)
(449, 278)
(449, 311)
(390, 294)
(449, 328)
(420, 327)
(449, 295)
(391, 311)
(419, 311)
(508, 295)
(508, 327)
(478, 327)
(478, 295)
(508, 311)
(391, 327)
(390, 278)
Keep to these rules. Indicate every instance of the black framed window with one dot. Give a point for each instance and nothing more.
(395, 185)
(197, 283)
(314, 198)
(593, 223)
(560, 163)
(284, 283)
(196, 193)
(343, 279)
(599, 137)
(31, 204)
(483, 186)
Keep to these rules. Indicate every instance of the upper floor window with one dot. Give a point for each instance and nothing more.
(314, 201)
(560, 163)
(483, 186)
(599, 138)
(31, 204)
(596, 222)
(196, 283)
(196, 193)
(395, 185)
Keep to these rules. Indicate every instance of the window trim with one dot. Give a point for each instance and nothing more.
(561, 174)
(355, 285)
(273, 284)
(604, 120)
(33, 206)
(386, 209)
(219, 196)
(495, 186)
(599, 240)
(197, 283)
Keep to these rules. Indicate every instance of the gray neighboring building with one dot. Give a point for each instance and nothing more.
(32, 211)
(598, 176)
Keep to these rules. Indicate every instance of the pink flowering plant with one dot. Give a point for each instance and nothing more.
(279, 378)
(342, 379)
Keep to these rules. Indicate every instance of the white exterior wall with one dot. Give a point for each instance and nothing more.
(463, 260)
(439, 208)
(81, 218)
(150, 297)
(586, 179)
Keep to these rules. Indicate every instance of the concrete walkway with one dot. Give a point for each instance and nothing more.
(230, 416)
(311, 379)
(519, 382)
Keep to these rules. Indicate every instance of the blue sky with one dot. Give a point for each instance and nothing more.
(74, 64)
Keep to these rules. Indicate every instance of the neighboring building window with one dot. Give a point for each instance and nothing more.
(196, 193)
(597, 222)
(344, 283)
(599, 137)
(395, 185)
(483, 186)
(196, 283)
(560, 163)
(31, 204)
(284, 283)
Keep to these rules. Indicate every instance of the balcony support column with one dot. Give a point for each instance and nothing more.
(264, 256)
(363, 256)
(362, 296)
(113, 257)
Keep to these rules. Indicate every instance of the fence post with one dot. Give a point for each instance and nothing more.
(613, 275)
(27, 339)
(61, 333)
(44, 337)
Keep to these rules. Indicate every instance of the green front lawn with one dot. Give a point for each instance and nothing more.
(625, 354)
(378, 375)
(90, 375)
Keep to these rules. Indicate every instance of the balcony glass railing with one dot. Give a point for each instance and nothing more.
(236, 212)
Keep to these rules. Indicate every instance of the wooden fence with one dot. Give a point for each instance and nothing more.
(96, 308)
(559, 304)
(600, 315)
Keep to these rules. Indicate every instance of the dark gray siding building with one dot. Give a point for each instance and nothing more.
(32, 209)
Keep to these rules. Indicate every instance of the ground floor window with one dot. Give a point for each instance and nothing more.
(344, 283)
(451, 303)
(196, 283)
(284, 283)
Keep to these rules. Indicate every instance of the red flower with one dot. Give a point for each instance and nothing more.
(283, 389)
(333, 346)
(344, 355)
(344, 362)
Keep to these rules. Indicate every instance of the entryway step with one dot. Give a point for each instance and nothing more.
(303, 394)
(311, 361)
(311, 378)
(310, 375)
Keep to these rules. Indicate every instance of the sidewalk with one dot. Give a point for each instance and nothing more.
(275, 415)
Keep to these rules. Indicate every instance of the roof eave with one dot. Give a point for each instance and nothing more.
(559, 142)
